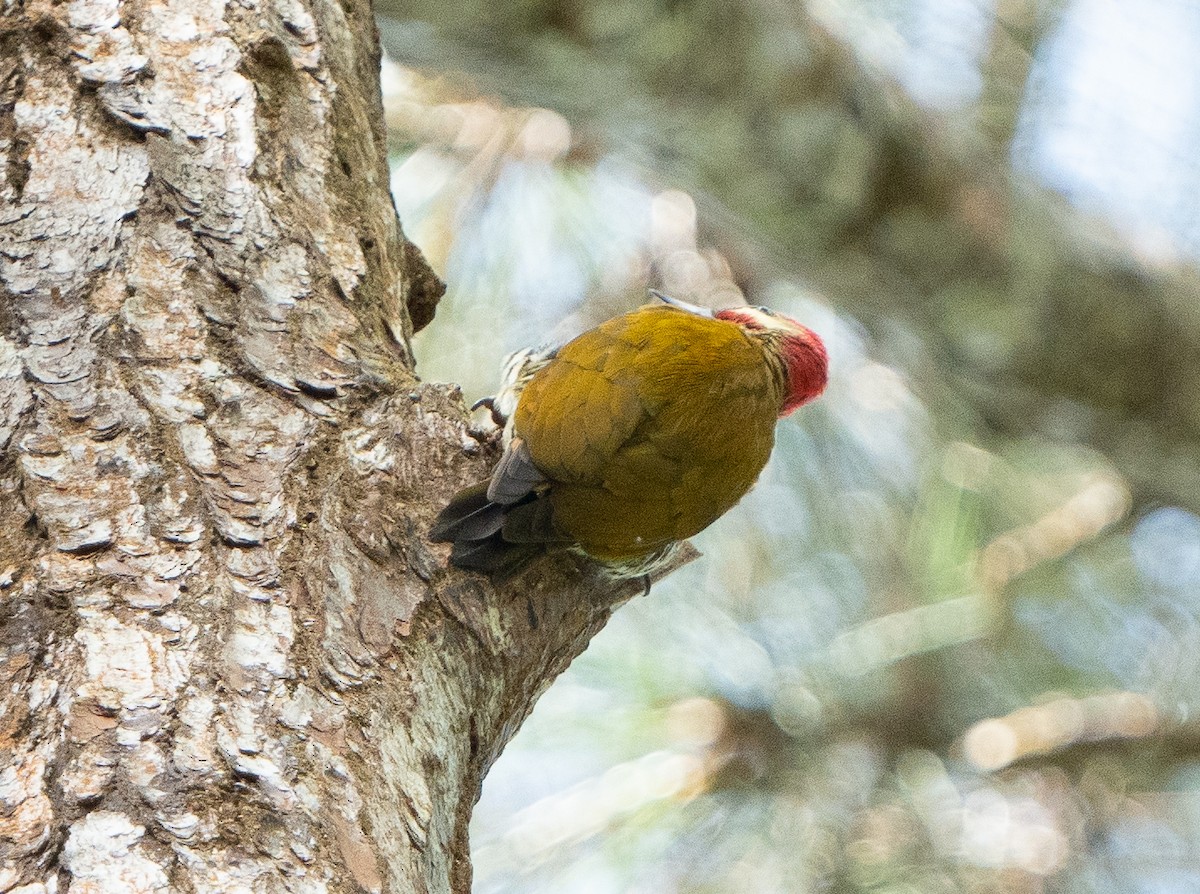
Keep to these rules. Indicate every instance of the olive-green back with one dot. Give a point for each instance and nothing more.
(649, 427)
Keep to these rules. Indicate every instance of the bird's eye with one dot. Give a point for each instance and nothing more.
(766, 310)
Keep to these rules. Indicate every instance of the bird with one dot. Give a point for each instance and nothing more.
(632, 437)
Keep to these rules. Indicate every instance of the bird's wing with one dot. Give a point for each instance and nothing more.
(656, 375)
(670, 479)
(649, 427)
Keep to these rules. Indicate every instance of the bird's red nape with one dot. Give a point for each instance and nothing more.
(807, 365)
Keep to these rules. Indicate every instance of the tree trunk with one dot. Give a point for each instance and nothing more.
(229, 660)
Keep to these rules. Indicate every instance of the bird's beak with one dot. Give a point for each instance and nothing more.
(683, 305)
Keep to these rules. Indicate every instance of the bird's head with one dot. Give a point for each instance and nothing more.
(802, 351)
(805, 361)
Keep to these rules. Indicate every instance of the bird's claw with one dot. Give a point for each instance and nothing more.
(498, 418)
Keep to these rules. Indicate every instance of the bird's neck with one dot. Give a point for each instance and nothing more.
(797, 365)
(772, 348)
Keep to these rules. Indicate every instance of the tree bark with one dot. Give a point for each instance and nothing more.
(229, 661)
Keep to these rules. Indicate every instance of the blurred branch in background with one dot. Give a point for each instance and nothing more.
(1036, 318)
(1018, 28)
(1059, 724)
(951, 641)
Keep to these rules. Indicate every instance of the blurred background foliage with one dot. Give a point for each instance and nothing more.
(951, 641)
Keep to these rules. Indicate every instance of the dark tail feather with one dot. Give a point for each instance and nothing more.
(532, 522)
(470, 516)
(475, 525)
(493, 556)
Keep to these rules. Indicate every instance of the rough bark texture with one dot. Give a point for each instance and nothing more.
(228, 659)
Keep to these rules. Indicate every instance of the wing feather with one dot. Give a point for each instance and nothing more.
(631, 424)
(515, 475)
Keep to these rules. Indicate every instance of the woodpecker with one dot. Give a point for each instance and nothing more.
(633, 437)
